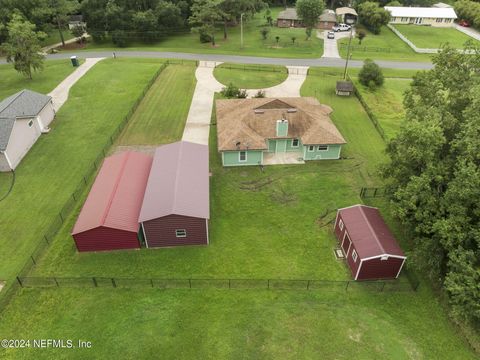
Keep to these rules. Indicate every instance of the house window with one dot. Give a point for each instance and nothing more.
(30, 123)
(322, 147)
(439, 20)
(295, 143)
(311, 148)
(383, 258)
(404, 19)
(242, 156)
(181, 233)
(354, 256)
(340, 224)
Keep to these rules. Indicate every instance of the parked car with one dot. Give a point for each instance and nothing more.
(330, 35)
(464, 23)
(341, 27)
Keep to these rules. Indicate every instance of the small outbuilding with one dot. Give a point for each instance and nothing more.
(175, 208)
(344, 88)
(346, 15)
(109, 217)
(24, 116)
(370, 249)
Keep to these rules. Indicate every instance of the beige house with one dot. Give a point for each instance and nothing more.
(430, 16)
(289, 18)
(24, 116)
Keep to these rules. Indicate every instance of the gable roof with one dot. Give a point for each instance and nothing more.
(117, 193)
(25, 103)
(421, 12)
(368, 232)
(345, 10)
(288, 14)
(328, 15)
(344, 85)
(178, 183)
(247, 123)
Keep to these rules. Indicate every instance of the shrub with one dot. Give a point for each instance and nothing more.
(372, 16)
(370, 75)
(119, 38)
(204, 37)
(259, 94)
(360, 36)
(231, 92)
(264, 33)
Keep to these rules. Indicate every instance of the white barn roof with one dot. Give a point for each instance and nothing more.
(421, 12)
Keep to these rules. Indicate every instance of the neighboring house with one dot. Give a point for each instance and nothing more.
(23, 117)
(175, 209)
(370, 249)
(346, 15)
(344, 88)
(433, 16)
(76, 20)
(109, 217)
(327, 20)
(442, 5)
(249, 129)
(289, 18)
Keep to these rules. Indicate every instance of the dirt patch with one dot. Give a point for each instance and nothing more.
(284, 197)
(72, 46)
(354, 335)
(2, 284)
(146, 149)
(256, 185)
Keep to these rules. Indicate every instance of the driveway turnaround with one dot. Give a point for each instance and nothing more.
(290, 87)
(197, 126)
(327, 62)
(60, 93)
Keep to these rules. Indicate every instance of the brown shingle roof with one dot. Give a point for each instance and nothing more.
(288, 14)
(247, 123)
(344, 85)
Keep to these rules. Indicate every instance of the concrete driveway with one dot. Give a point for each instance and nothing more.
(468, 31)
(290, 87)
(60, 93)
(330, 46)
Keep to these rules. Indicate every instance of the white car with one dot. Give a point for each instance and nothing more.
(341, 27)
(330, 35)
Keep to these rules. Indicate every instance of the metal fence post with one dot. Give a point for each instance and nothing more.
(46, 238)
(114, 284)
(229, 285)
(151, 282)
(56, 282)
(308, 285)
(268, 284)
(19, 281)
(33, 260)
(383, 286)
(94, 282)
(190, 283)
(346, 287)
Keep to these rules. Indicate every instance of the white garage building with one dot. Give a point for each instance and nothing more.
(23, 118)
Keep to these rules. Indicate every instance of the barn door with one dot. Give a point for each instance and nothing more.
(346, 244)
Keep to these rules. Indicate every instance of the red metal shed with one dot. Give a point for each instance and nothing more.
(175, 208)
(369, 247)
(109, 217)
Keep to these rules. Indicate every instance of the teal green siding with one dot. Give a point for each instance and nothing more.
(282, 128)
(230, 158)
(291, 148)
(281, 145)
(333, 152)
(271, 145)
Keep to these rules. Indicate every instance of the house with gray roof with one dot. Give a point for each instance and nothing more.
(24, 116)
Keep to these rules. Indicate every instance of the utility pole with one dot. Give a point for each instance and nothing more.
(241, 30)
(348, 54)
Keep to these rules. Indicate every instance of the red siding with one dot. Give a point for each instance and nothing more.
(352, 264)
(161, 232)
(380, 269)
(102, 238)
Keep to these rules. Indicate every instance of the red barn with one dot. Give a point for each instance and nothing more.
(368, 245)
(109, 217)
(175, 208)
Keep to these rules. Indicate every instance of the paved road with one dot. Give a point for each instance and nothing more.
(325, 61)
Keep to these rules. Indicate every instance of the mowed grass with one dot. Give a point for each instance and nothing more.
(433, 37)
(43, 82)
(254, 45)
(55, 165)
(250, 76)
(384, 46)
(232, 324)
(161, 116)
(386, 103)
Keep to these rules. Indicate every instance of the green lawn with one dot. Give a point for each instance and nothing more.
(54, 166)
(44, 82)
(250, 76)
(387, 103)
(235, 324)
(385, 46)
(254, 45)
(432, 37)
(53, 37)
(161, 116)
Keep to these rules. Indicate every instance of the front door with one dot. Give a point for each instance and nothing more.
(346, 244)
(281, 146)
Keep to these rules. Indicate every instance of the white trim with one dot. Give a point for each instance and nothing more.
(310, 146)
(261, 161)
(336, 219)
(356, 256)
(348, 207)
(246, 156)
(208, 239)
(304, 151)
(298, 142)
(8, 160)
(341, 225)
(349, 245)
(358, 270)
(144, 235)
(379, 256)
(401, 266)
(180, 230)
(318, 148)
(223, 158)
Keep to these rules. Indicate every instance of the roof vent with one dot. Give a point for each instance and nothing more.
(259, 111)
(293, 110)
(237, 144)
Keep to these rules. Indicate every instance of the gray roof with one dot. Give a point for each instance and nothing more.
(328, 15)
(344, 85)
(25, 103)
(178, 183)
(288, 14)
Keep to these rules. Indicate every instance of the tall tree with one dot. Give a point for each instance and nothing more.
(434, 175)
(309, 11)
(205, 15)
(60, 11)
(23, 46)
(373, 16)
(233, 9)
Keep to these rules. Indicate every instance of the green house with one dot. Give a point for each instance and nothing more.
(276, 131)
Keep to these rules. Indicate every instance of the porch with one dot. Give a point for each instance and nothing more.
(272, 158)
